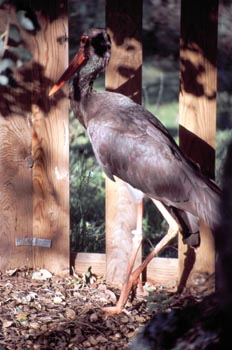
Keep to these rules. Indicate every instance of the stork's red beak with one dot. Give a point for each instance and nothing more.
(77, 61)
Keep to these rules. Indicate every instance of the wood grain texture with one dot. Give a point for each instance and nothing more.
(120, 221)
(50, 147)
(15, 169)
(123, 74)
(160, 270)
(198, 52)
(34, 191)
(96, 261)
(15, 191)
(163, 271)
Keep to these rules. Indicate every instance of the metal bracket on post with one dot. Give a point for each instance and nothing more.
(35, 242)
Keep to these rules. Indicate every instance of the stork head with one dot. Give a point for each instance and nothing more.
(92, 57)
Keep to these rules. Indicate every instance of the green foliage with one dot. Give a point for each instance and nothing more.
(87, 203)
(13, 51)
(223, 138)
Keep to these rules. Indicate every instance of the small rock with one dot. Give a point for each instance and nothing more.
(41, 275)
(57, 300)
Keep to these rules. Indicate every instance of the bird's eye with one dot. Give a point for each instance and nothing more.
(84, 40)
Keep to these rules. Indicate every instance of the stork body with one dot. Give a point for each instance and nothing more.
(131, 144)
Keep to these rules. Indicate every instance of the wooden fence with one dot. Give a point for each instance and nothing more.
(34, 147)
(34, 165)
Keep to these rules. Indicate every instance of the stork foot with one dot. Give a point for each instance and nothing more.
(113, 310)
(141, 292)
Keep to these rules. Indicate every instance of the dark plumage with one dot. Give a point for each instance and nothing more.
(132, 144)
(206, 324)
(195, 326)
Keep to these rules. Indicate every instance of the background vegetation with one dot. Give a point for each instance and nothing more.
(161, 28)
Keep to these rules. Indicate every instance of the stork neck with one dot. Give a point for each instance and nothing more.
(81, 87)
(83, 84)
(80, 90)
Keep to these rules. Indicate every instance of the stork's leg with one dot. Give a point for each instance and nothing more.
(136, 244)
(137, 238)
(132, 277)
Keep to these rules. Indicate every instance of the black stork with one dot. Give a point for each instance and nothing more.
(133, 145)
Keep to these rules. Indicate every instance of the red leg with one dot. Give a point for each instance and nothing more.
(136, 244)
(132, 277)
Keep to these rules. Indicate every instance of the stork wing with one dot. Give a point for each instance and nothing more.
(130, 143)
(143, 155)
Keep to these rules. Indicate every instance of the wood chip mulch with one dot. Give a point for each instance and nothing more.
(40, 311)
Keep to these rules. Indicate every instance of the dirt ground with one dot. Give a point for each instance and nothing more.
(41, 311)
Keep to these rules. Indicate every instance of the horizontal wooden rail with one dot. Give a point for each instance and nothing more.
(160, 270)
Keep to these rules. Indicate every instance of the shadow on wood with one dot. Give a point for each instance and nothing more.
(194, 145)
(31, 87)
(198, 84)
(130, 87)
(34, 142)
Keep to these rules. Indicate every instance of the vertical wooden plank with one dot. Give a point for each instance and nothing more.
(198, 53)
(124, 24)
(15, 164)
(50, 141)
(34, 148)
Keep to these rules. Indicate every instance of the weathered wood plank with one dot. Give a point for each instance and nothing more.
(120, 221)
(198, 54)
(15, 166)
(124, 24)
(163, 271)
(94, 260)
(50, 144)
(34, 193)
(15, 191)
(160, 270)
